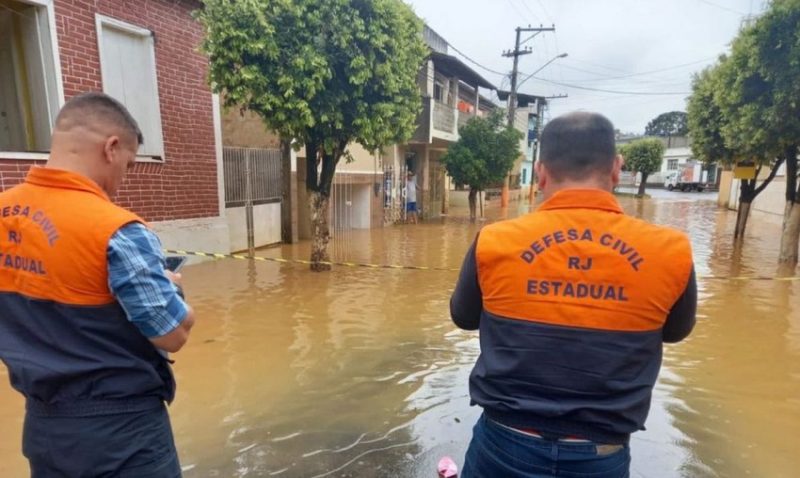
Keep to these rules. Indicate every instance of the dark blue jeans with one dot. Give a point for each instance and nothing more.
(496, 451)
(129, 445)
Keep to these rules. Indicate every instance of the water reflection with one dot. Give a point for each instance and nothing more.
(360, 373)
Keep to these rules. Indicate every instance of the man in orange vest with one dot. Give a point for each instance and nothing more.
(87, 310)
(573, 303)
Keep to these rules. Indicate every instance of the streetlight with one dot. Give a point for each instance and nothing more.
(563, 55)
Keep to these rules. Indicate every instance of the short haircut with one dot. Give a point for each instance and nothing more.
(101, 108)
(578, 145)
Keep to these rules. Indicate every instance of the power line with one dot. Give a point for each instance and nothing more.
(514, 6)
(475, 62)
(533, 15)
(602, 77)
(547, 14)
(708, 2)
(617, 92)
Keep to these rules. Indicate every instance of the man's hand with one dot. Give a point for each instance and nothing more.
(177, 278)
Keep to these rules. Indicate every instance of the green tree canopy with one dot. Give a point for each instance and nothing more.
(326, 73)
(705, 121)
(322, 71)
(643, 156)
(668, 124)
(484, 153)
(776, 46)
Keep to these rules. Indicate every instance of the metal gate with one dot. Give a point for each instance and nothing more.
(394, 194)
(252, 177)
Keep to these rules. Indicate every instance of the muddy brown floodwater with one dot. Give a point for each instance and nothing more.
(360, 372)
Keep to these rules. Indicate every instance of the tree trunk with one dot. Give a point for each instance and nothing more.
(642, 185)
(746, 196)
(473, 205)
(741, 219)
(319, 205)
(790, 237)
(318, 185)
(749, 190)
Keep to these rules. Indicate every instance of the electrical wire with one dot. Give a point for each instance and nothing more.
(475, 62)
(708, 2)
(617, 92)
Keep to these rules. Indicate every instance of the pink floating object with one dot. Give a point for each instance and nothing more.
(447, 468)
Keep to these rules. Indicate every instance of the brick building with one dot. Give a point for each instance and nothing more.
(144, 53)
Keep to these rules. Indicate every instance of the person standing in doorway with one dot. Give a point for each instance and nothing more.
(411, 198)
(573, 303)
(88, 311)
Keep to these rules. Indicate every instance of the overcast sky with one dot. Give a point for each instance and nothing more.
(628, 46)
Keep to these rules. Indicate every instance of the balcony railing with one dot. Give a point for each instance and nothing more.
(444, 118)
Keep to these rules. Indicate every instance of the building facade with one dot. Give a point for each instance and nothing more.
(143, 53)
(450, 97)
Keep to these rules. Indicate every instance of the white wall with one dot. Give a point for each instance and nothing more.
(683, 155)
(771, 202)
(350, 207)
(267, 222)
(209, 234)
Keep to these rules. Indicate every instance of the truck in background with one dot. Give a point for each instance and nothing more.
(690, 177)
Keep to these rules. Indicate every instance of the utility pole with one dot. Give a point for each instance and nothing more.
(540, 105)
(512, 106)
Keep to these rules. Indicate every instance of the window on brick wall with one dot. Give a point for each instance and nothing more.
(29, 97)
(128, 67)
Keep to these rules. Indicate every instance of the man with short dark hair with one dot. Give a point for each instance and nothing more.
(573, 303)
(87, 310)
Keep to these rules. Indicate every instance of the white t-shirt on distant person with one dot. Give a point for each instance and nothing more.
(411, 190)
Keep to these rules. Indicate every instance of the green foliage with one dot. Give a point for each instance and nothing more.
(668, 124)
(756, 87)
(705, 121)
(484, 153)
(643, 155)
(328, 72)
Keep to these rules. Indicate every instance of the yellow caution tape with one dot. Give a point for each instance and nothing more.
(215, 255)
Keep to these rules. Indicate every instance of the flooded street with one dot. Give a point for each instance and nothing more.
(360, 372)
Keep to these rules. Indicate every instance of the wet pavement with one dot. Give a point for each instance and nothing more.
(360, 373)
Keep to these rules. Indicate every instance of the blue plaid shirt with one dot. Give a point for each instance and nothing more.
(137, 279)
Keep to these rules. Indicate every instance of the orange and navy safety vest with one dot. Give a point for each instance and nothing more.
(63, 336)
(575, 297)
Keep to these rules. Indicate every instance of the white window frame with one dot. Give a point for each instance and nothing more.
(676, 162)
(56, 69)
(100, 22)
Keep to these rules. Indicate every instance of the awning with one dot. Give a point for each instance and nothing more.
(452, 67)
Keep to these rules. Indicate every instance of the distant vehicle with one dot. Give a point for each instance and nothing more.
(688, 178)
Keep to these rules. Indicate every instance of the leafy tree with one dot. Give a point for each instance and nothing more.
(325, 73)
(705, 121)
(483, 155)
(746, 102)
(776, 45)
(668, 125)
(643, 156)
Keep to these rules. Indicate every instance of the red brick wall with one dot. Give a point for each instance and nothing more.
(185, 185)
